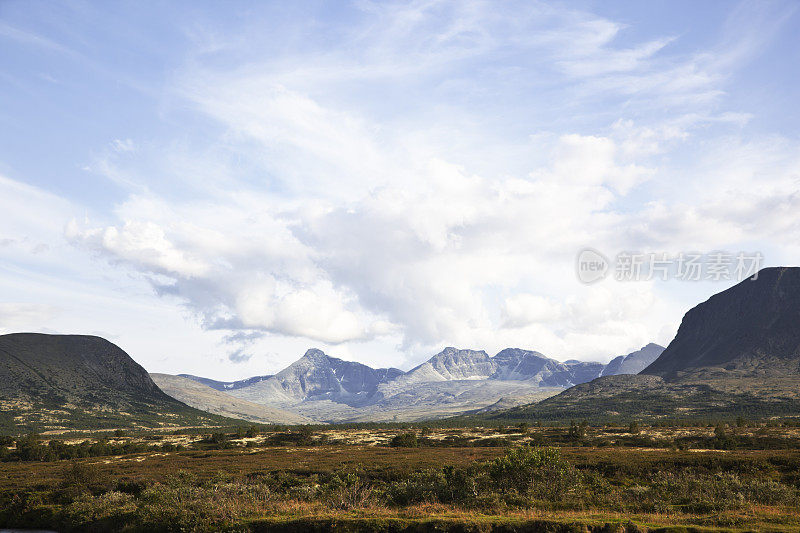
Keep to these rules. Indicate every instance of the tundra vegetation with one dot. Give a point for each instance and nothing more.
(732, 475)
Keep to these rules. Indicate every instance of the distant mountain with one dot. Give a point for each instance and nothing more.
(454, 381)
(511, 364)
(452, 364)
(517, 364)
(738, 353)
(634, 362)
(582, 371)
(226, 385)
(196, 394)
(78, 382)
(317, 376)
(753, 328)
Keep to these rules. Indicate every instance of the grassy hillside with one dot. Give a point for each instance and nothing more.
(62, 382)
(203, 397)
(622, 399)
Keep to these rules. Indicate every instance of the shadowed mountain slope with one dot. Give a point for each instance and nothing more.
(634, 362)
(751, 328)
(80, 381)
(736, 354)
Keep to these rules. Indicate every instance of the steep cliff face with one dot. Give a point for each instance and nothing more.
(453, 364)
(317, 376)
(752, 328)
(738, 353)
(517, 364)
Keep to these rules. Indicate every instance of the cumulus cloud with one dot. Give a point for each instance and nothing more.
(422, 258)
(142, 243)
(380, 199)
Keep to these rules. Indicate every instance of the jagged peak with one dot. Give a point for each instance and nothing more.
(519, 352)
(314, 353)
(651, 345)
(450, 351)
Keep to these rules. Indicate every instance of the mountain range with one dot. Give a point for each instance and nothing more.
(216, 401)
(322, 388)
(736, 353)
(62, 382)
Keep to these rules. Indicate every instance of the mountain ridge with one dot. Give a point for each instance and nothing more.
(225, 385)
(752, 324)
(205, 398)
(329, 389)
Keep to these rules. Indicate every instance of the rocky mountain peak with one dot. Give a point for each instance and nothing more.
(316, 355)
(634, 362)
(752, 328)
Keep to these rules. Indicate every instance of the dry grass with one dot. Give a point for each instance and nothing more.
(260, 487)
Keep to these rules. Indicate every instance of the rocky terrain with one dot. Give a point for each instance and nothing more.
(753, 328)
(327, 389)
(319, 377)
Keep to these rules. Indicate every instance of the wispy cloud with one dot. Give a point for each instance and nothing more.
(417, 174)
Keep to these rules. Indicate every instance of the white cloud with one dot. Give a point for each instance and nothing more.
(16, 315)
(142, 243)
(524, 309)
(388, 183)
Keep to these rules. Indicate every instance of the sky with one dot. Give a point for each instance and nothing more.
(218, 186)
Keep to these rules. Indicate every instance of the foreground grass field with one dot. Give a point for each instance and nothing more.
(459, 479)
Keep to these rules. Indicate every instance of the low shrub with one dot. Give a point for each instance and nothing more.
(404, 440)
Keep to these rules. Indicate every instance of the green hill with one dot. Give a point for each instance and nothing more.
(52, 382)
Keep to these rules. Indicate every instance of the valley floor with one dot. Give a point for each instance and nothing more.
(450, 479)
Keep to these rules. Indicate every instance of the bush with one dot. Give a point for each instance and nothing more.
(79, 478)
(540, 472)
(423, 486)
(577, 431)
(404, 440)
(348, 491)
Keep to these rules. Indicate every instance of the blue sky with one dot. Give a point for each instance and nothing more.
(217, 187)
